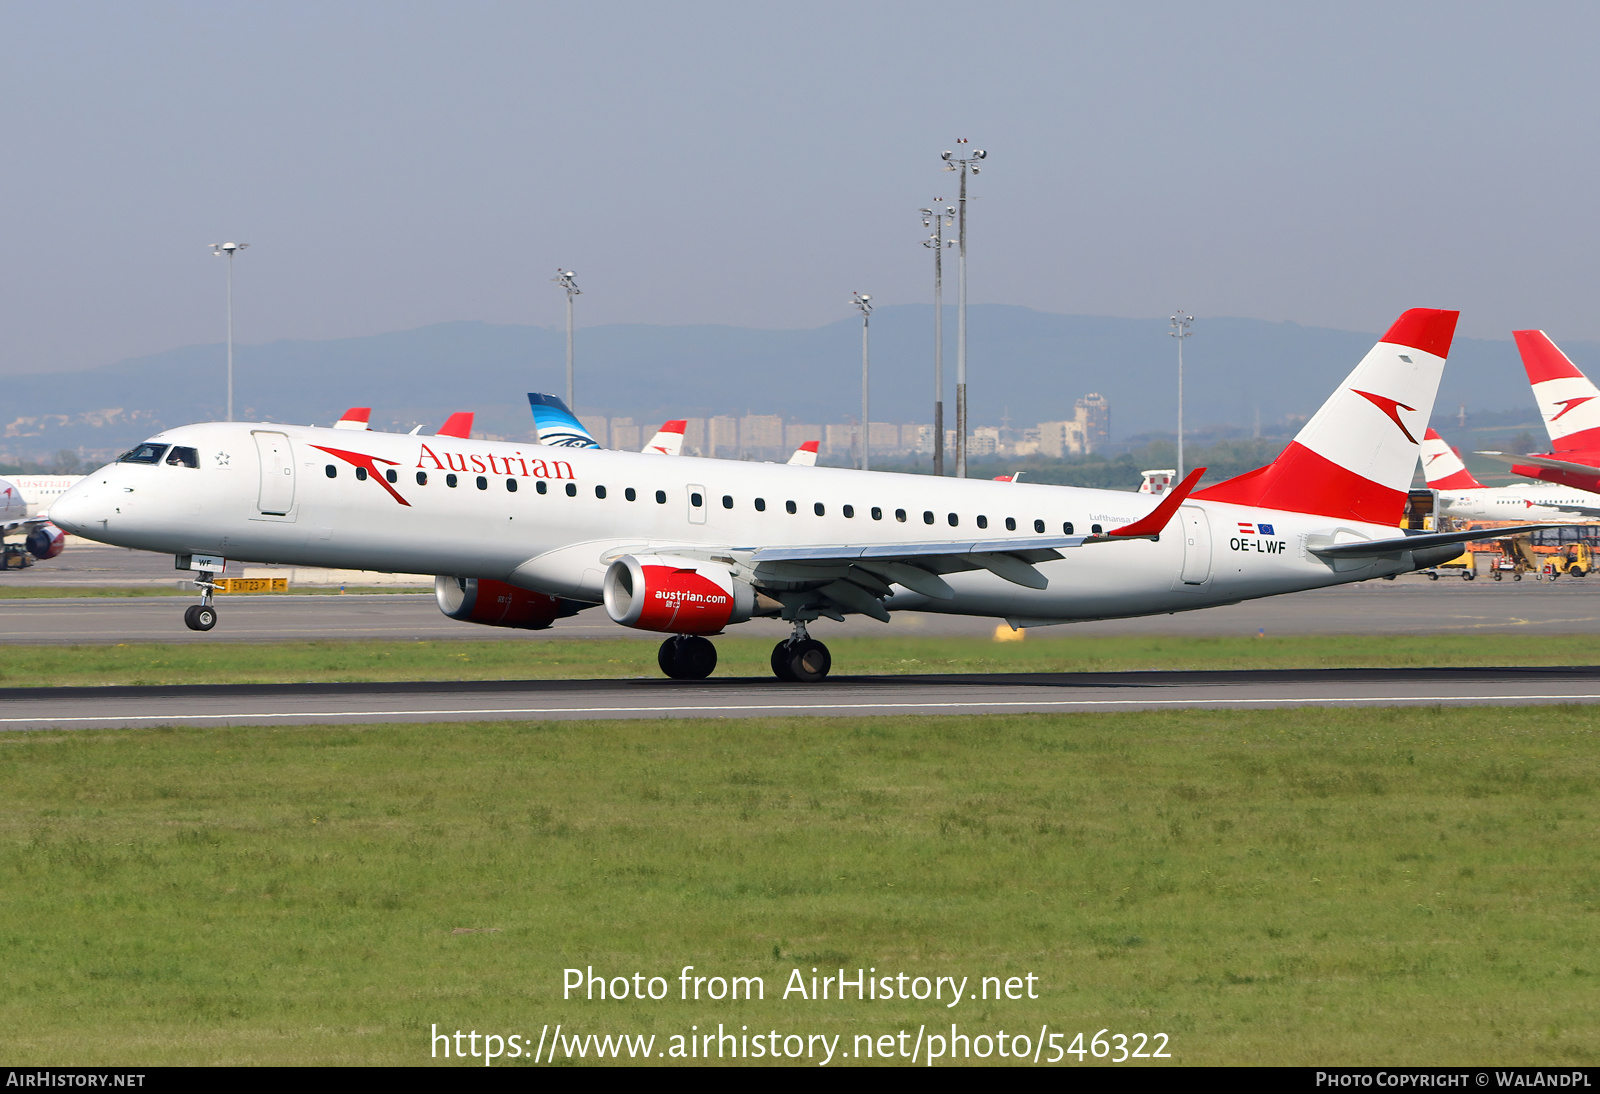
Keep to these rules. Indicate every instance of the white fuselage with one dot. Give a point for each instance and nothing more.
(264, 493)
(1520, 503)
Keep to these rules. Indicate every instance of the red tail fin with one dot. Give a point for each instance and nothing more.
(458, 424)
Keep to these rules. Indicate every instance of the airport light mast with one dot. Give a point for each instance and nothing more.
(952, 162)
(568, 281)
(228, 250)
(1180, 331)
(938, 221)
(863, 303)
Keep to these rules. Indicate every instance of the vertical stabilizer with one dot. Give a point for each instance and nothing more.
(357, 417)
(1566, 397)
(668, 440)
(458, 424)
(1356, 456)
(806, 454)
(1442, 466)
(557, 425)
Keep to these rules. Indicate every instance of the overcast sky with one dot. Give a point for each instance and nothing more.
(397, 164)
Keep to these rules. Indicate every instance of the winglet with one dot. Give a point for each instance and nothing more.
(1153, 522)
(458, 424)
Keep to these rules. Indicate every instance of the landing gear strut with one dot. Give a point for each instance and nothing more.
(687, 657)
(801, 659)
(202, 616)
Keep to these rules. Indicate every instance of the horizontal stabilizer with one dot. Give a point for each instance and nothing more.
(1379, 548)
(1544, 461)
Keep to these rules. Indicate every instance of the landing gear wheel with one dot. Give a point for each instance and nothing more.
(1433, 577)
(1516, 577)
(780, 661)
(1469, 576)
(805, 661)
(687, 657)
(200, 617)
(1497, 576)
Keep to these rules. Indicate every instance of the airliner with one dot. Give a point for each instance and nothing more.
(1568, 403)
(688, 547)
(24, 510)
(1462, 496)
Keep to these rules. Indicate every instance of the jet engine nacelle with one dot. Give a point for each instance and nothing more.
(496, 604)
(675, 595)
(46, 541)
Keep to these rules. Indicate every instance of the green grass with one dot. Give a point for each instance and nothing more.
(613, 658)
(56, 592)
(1406, 886)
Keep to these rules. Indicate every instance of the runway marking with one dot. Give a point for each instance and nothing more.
(797, 706)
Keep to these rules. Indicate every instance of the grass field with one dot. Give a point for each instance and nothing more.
(1311, 886)
(614, 658)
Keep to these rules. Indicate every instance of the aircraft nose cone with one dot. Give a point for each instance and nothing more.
(76, 510)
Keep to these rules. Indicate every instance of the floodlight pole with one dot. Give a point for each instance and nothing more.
(227, 250)
(963, 165)
(568, 281)
(863, 303)
(1180, 331)
(938, 220)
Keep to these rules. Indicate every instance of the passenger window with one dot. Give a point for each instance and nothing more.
(331, 471)
(927, 516)
(449, 480)
(900, 515)
(422, 478)
(1011, 524)
(391, 475)
(541, 486)
(761, 505)
(661, 497)
(849, 511)
(1066, 528)
(145, 453)
(817, 509)
(483, 483)
(727, 501)
(511, 486)
(183, 457)
(954, 520)
(877, 514)
(789, 507)
(1038, 526)
(983, 521)
(361, 473)
(631, 494)
(1096, 529)
(600, 492)
(572, 489)
(696, 500)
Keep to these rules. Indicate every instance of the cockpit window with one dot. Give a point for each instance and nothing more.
(183, 457)
(145, 453)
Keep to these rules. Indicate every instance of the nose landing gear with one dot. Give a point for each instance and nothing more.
(202, 616)
(687, 657)
(801, 659)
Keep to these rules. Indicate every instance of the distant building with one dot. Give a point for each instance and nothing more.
(723, 437)
(596, 426)
(839, 441)
(1095, 414)
(624, 435)
(985, 441)
(761, 435)
(798, 433)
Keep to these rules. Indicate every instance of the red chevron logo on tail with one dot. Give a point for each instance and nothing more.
(1391, 407)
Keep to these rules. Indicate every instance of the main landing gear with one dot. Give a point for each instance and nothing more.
(801, 659)
(202, 616)
(687, 657)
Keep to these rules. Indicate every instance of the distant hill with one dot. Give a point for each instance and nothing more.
(1030, 363)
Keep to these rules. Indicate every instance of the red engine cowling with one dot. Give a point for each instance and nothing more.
(496, 604)
(46, 541)
(675, 595)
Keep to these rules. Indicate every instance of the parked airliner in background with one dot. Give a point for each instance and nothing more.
(1462, 496)
(690, 546)
(1568, 403)
(24, 511)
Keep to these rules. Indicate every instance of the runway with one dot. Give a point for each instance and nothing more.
(1409, 605)
(259, 705)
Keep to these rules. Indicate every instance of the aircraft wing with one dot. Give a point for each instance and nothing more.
(1543, 461)
(856, 577)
